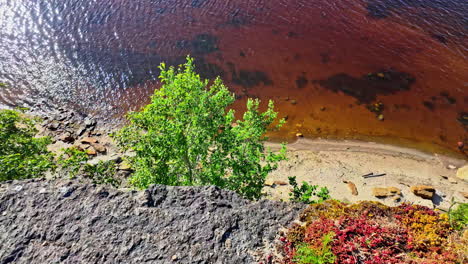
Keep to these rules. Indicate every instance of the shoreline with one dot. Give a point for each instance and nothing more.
(336, 164)
(340, 164)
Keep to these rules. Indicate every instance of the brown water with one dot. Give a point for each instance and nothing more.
(326, 63)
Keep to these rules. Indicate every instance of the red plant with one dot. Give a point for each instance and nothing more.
(372, 233)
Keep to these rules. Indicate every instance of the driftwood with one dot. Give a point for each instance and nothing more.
(371, 175)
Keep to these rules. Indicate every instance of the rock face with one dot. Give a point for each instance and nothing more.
(423, 191)
(67, 222)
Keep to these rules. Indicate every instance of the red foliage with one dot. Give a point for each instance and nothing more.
(384, 236)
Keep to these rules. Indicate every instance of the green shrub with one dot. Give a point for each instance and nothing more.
(22, 155)
(186, 136)
(72, 161)
(102, 173)
(459, 216)
(307, 193)
(308, 255)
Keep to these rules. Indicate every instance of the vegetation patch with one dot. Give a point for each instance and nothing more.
(307, 193)
(370, 232)
(186, 136)
(22, 155)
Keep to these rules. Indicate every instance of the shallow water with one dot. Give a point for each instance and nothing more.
(326, 63)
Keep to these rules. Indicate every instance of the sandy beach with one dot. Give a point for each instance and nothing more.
(336, 164)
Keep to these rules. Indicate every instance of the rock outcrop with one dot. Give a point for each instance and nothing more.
(68, 222)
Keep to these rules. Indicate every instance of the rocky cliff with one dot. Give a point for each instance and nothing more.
(70, 222)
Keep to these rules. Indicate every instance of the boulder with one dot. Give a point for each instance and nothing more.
(423, 191)
(462, 173)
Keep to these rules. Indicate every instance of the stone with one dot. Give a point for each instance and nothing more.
(67, 137)
(394, 190)
(269, 182)
(82, 147)
(451, 167)
(81, 131)
(462, 173)
(90, 122)
(352, 187)
(54, 125)
(125, 166)
(89, 140)
(423, 191)
(281, 183)
(381, 192)
(452, 180)
(99, 148)
(91, 151)
(465, 194)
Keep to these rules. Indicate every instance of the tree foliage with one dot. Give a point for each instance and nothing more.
(186, 136)
(22, 155)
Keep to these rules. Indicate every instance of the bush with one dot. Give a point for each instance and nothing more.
(307, 193)
(102, 173)
(74, 162)
(22, 155)
(459, 216)
(185, 136)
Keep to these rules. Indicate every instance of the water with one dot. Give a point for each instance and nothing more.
(326, 63)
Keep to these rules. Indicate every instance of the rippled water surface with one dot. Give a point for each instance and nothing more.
(333, 67)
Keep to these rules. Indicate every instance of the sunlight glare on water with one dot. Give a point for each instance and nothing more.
(392, 70)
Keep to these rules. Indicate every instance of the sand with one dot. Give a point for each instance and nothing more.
(332, 163)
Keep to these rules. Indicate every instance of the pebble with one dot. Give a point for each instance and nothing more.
(451, 167)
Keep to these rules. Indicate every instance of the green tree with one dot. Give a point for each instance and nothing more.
(22, 155)
(186, 136)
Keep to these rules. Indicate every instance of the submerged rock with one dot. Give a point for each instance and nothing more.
(42, 223)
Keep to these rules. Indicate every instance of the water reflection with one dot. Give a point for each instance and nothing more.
(334, 67)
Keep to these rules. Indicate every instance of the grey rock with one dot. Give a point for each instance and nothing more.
(85, 223)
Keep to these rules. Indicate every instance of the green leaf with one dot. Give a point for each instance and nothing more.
(188, 135)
